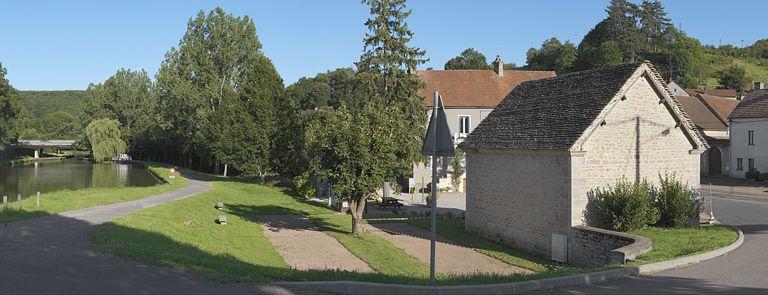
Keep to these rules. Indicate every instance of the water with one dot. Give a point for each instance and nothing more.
(70, 174)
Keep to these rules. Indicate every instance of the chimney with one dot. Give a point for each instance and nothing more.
(498, 66)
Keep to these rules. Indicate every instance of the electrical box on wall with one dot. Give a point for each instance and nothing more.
(560, 247)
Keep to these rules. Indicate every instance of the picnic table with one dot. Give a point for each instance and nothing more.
(390, 203)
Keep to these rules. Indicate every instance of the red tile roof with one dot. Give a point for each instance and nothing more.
(756, 106)
(703, 117)
(715, 92)
(722, 107)
(474, 88)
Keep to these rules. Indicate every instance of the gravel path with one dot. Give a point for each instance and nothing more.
(451, 258)
(53, 255)
(305, 247)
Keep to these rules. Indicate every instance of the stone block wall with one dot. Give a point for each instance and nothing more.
(594, 247)
(518, 198)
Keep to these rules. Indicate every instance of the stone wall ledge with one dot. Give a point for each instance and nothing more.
(596, 247)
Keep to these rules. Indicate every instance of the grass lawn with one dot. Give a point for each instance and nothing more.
(671, 243)
(183, 234)
(59, 201)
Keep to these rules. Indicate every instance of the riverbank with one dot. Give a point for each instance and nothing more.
(184, 234)
(65, 200)
(27, 160)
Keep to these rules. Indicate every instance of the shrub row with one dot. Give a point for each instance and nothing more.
(628, 206)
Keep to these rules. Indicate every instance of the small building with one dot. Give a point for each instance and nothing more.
(710, 115)
(533, 160)
(676, 90)
(468, 96)
(749, 134)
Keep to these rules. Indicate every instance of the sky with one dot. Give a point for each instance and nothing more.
(54, 45)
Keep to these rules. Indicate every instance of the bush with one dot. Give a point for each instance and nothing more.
(678, 206)
(305, 186)
(626, 206)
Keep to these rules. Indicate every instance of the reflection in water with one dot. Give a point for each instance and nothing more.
(70, 174)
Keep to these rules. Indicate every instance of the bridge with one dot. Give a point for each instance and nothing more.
(37, 145)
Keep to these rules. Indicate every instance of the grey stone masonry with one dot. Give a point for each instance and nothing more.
(594, 247)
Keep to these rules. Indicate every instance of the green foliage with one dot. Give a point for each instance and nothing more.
(469, 59)
(12, 113)
(104, 136)
(218, 94)
(128, 97)
(608, 54)
(733, 77)
(56, 125)
(457, 169)
(625, 206)
(41, 103)
(552, 56)
(305, 185)
(678, 206)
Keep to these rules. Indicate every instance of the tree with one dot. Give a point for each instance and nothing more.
(364, 143)
(552, 56)
(469, 59)
(12, 114)
(104, 137)
(458, 170)
(606, 55)
(219, 58)
(734, 77)
(56, 125)
(129, 97)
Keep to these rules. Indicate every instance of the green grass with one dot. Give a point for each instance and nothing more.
(59, 201)
(669, 243)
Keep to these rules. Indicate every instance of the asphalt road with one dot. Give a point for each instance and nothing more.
(743, 271)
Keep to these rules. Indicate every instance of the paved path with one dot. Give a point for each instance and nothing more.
(451, 258)
(53, 255)
(743, 271)
(303, 246)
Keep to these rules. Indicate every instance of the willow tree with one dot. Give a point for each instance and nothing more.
(366, 142)
(104, 137)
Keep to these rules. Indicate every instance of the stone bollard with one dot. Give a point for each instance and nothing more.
(19, 202)
(5, 203)
(37, 199)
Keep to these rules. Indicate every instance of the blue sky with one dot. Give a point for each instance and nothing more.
(49, 45)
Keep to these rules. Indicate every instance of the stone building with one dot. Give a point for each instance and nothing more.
(468, 96)
(535, 157)
(710, 115)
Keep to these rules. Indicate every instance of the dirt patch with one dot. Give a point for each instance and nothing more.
(303, 246)
(450, 257)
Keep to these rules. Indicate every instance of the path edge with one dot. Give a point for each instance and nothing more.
(354, 287)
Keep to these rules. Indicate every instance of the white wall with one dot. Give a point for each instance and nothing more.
(740, 148)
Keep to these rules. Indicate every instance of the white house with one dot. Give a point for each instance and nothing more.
(468, 97)
(533, 160)
(749, 134)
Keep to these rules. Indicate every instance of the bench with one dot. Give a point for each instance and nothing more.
(389, 203)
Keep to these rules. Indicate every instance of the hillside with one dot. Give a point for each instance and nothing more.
(41, 103)
(757, 68)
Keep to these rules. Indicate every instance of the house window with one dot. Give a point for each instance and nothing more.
(464, 125)
(751, 164)
(739, 164)
(751, 137)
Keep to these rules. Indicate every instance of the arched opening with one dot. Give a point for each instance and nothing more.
(715, 161)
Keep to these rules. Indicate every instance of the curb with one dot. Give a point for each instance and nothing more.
(352, 287)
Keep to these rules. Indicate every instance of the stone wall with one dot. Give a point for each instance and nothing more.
(519, 198)
(594, 247)
(639, 140)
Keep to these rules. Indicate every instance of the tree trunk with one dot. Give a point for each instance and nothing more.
(356, 207)
(225, 170)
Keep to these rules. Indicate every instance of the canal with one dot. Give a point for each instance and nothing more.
(71, 174)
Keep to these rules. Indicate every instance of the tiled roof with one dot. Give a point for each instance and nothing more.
(715, 92)
(755, 106)
(552, 113)
(474, 88)
(722, 107)
(702, 116)
(756, 93)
